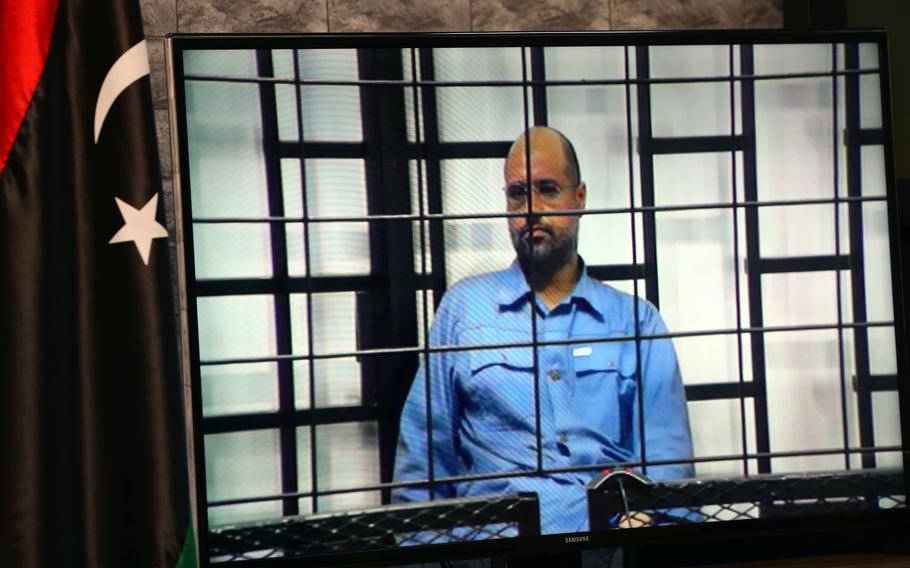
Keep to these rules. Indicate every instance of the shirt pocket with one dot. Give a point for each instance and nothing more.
(606, 378)
(499, 388)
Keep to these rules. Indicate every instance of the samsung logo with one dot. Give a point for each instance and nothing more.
(571, 539)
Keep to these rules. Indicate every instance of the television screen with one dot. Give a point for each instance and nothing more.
(445, 292)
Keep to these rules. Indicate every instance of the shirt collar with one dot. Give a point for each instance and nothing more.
(514, 290)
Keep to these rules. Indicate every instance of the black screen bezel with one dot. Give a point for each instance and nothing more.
(755, 532)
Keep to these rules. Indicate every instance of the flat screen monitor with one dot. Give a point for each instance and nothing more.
(470, 294)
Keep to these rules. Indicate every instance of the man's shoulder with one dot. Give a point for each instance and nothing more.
(619, 304)
(483, 285)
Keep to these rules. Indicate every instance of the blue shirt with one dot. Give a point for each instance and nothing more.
(482, 401)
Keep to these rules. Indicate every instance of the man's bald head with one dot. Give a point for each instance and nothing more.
(542, 164)
(545, 140)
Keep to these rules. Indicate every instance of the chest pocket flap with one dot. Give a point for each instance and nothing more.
(604, 357)
(519, 359)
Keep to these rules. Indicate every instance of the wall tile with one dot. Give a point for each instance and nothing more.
(675, 14)
(545, 15)
(401, 15)
(763, 13)
(251, 16)
(159, 79)
(159, 17)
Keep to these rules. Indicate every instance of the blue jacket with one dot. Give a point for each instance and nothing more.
(482, 401)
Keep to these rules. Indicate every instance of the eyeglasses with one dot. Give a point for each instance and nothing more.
(547, 191)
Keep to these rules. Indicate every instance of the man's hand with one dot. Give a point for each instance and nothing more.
(634, 519)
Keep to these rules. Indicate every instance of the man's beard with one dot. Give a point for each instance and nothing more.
(541, 260)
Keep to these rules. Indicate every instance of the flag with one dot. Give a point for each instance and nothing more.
(93, 467)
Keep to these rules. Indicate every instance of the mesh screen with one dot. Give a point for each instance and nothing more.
(442, 521)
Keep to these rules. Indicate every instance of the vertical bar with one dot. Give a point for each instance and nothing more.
(288, 442)
(529, 219)
(857, 255)
(539, 75)
(311, 367)
(425, 352)
(392, 294)
(753, 261)
(640, 53)
(528, 515)
(646, 166)
(734, 172)
(434, 174)
(835, 148)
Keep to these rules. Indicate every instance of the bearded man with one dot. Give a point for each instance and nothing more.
(558, 397)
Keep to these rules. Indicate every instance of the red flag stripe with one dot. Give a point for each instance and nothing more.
(25, 34)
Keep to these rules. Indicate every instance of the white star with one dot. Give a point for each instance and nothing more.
(139, 226)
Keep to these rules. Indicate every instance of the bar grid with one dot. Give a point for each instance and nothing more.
(431, 152)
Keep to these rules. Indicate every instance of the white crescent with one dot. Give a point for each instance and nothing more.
(129, 68)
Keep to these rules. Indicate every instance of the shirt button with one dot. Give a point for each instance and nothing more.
(554, 375)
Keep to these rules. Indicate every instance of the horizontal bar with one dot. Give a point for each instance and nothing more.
(615, 339)
(576, 469)
(719, 391)
(864, 137)
(532, 83)
(694, 144)
(315, 284)
(875, 383)
(803, 264)
(615, 272)
(466, 150)
(317, 150)
(560, 213)
(302, 417)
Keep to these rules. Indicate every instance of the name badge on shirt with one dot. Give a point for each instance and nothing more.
(582, 351)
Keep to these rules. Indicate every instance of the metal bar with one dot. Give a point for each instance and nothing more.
(535, 352)
(287, 439)
(311, 368)
(293, 419)
(803, 263)
(565, 213)
(750, 192)
(554, 83)
(315, 284)
(610, 272)
(529, 515)
(640, 53)
(611, 339)
(695, 144)
(352, 150)
(424, 339)
(854, 135)
(437, 232)
(590, 468)
(841, 365)
(390, 297)
(861, 353)
(431, 145)
(539, 87)
(734, 199)
(875, 383)
(719, 391)
(646, 179)
(469, 150)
